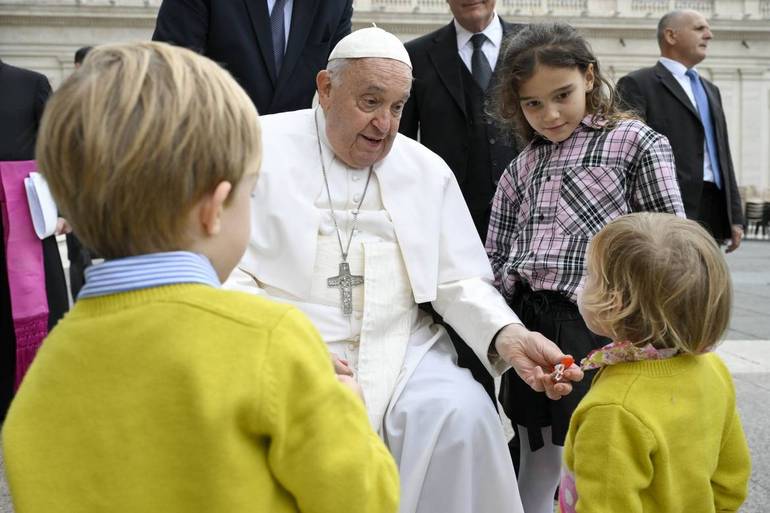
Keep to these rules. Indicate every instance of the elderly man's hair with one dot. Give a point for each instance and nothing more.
(336, 69)
(666, 22)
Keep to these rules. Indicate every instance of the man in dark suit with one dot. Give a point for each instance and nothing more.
(23, 94)
(446, 107)
(453, 68)
(685, 107)
(273, 48)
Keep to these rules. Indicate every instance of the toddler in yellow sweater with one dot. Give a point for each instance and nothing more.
(659, 430)
(159, 392)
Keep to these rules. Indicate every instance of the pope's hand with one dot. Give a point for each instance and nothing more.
(528, 353)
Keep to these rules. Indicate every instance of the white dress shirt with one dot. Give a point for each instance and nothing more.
(491, 46)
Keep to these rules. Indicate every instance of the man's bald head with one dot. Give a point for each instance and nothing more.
(668, 21)
(683, 35)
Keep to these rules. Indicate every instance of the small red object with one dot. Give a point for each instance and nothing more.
(567, 361)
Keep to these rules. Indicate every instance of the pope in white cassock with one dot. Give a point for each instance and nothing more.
(356, 225)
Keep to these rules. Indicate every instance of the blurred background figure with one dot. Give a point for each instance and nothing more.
(23, 94)
(79, 256)
(676, 101)
(80, 55)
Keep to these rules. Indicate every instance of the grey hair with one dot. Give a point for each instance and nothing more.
(666, 22)
(336, 69)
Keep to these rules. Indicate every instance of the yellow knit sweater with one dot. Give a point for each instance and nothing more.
(657, 436)
(187, 398)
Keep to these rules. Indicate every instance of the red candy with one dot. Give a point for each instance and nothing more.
(560, 367)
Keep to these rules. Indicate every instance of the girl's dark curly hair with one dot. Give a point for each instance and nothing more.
(557, 45)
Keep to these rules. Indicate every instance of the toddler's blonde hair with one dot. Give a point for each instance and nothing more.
(659, 279)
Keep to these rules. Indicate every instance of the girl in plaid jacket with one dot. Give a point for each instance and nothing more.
(584, 164)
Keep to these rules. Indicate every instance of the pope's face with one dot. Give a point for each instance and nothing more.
(363, 108)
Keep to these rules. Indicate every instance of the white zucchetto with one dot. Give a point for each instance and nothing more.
(371, 42)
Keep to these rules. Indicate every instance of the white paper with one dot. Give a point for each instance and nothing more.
(41, 205)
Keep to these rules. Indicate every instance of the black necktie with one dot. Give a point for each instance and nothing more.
(279, 33)
(480, 68)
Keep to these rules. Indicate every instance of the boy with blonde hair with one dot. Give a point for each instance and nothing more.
(659, 429)
(159, 392)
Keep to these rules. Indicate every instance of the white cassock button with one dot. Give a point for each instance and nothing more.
(356, 176)
(325, 229)
(356, 197)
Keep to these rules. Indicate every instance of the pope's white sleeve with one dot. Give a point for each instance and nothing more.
(476, 311)
(242, 281)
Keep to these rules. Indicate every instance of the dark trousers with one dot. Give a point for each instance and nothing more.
(556, 317)
(712, 212)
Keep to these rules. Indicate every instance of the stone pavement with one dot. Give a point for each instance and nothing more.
(746, 351)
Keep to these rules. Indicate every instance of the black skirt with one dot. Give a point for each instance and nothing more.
(557, 318)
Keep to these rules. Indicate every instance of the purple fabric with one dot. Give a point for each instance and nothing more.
(24, 257)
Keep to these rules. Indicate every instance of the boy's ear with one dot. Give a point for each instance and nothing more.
(211, 207)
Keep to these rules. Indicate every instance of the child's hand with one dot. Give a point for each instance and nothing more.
(353, 385)
(341, 367)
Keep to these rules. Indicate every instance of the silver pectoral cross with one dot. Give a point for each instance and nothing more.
(345, 281)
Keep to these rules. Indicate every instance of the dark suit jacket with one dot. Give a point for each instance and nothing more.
(23, 94)
(655, 94)
(436, 106)
(236, 33)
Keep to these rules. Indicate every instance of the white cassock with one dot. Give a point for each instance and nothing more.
(415, 242)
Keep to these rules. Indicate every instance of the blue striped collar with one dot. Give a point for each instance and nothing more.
(145, 271)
